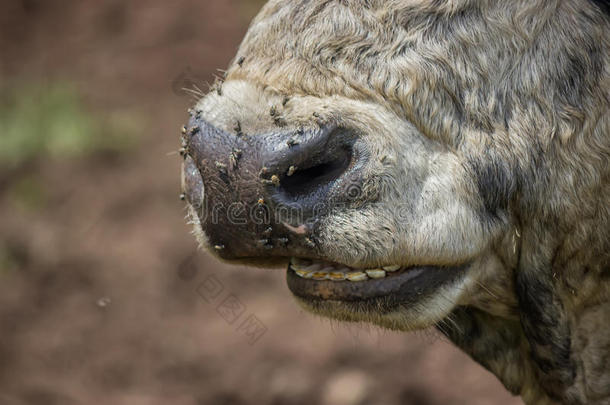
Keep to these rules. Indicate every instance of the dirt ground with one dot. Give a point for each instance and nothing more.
(104, 298)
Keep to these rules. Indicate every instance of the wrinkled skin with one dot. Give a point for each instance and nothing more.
(479, 148)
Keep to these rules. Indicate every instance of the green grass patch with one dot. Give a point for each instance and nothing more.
(52, 121)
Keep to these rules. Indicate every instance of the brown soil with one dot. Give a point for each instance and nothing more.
(107, 300)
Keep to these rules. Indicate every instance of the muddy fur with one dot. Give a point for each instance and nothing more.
(486, 126)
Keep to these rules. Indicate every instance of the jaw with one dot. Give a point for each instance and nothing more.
(398, 284)
(394, 297)
(412, 298)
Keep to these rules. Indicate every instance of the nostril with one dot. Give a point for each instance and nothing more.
(305, 181)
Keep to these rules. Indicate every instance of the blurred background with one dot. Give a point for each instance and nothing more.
(104, 298)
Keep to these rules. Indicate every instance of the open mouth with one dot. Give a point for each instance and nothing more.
(395, 284)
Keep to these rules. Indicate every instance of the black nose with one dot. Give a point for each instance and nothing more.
(252, 190)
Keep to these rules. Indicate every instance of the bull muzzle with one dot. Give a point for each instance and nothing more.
(263, 194)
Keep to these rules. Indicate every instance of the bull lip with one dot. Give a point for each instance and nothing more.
(407, 287)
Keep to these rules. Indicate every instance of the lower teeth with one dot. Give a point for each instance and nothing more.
(303, 274)
(357, 276)
(377, 273)
(336, 276)
(309, 270)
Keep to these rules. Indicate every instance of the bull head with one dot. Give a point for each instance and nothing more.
(420, 163)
